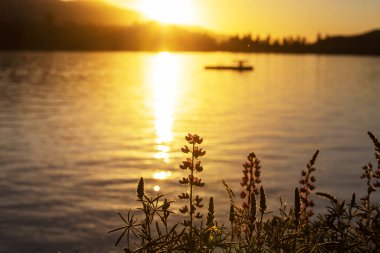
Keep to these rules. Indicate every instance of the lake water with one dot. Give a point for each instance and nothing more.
(77, 130)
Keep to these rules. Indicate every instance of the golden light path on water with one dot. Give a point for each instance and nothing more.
(164, 78)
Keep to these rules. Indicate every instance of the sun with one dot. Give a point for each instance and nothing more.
(169, 11)
(165, 11)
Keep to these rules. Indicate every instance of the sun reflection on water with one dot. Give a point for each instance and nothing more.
(164, 81)
(162, 175)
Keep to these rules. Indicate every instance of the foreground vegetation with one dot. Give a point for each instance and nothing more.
(343, 227)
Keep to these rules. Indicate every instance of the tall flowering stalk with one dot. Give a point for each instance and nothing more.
(251, 179)
(376, 174)
(307, 186)
(262, 209)
(210, 222)
(247, 221)
(193, 165)
(370, 174)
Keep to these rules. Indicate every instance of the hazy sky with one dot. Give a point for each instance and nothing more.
(279, 18)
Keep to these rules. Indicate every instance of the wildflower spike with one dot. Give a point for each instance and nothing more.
(193, 164)
(211, 212)
(251, 177)
(140, 189)
(263, 200)
(297, 205)
(231, 216)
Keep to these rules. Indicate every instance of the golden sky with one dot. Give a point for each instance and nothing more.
(278, 18)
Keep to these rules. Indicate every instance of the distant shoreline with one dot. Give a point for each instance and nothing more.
(178, 51)
(46, 36)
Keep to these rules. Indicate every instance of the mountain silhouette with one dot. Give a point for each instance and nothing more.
(80, 12)
(367, 43)
(96, 25)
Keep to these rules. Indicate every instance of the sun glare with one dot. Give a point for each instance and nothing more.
(164, 11)
(168, 11)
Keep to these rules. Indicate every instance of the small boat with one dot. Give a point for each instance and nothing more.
(240, 67)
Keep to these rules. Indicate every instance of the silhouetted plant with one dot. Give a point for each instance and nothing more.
(193, 164)
(369, 222)
(151, 234)
(251, 178)
(307, 186)
(342, 227)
